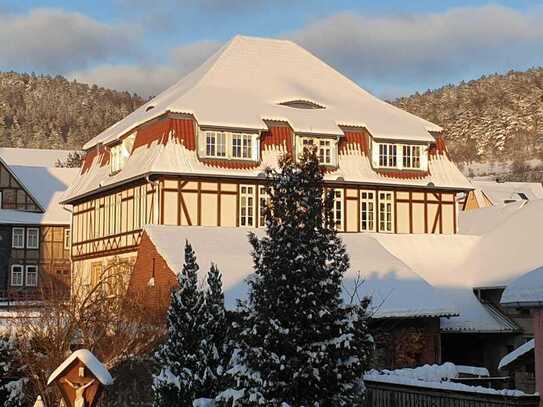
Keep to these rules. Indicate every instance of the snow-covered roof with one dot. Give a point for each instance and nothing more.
(90, 361)
(247, 80)
(397, 291)
(503, 192)
(33, 156)
(525, 291)
(516, 354)
(174, 158)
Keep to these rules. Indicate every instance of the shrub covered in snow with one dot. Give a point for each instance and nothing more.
(11, 391)
(298, 343)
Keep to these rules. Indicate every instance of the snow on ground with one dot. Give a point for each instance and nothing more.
(517, 353)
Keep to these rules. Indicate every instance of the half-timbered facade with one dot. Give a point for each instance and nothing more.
(34, 227)
(196, 155)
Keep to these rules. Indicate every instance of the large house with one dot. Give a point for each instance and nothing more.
(195, 155)
(34, 226)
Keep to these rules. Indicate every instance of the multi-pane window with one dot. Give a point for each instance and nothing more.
(32, 238)
(215, 144)
(386, 211)
(16, 277)
(66, 239)
(387, 155)
(263, 202)
(117, 160)
(367, 211)
(325, 149)
(338, 209)
(241, 145)
(247, 205)
(411, 156)
(31, 275)
(18, 238)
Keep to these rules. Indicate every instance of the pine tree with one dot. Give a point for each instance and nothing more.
(181, 359)
(298, 343)
(214, 327)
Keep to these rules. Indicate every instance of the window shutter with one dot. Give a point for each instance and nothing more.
(256, 147)
(375, 154)
(201, 143)
(424, 158)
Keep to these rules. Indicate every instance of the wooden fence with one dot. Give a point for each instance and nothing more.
(394, 395)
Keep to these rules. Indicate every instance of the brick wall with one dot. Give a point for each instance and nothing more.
(150, 266)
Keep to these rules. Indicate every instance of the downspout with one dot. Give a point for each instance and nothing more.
(157, 206)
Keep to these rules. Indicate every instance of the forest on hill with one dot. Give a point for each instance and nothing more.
(41, 111)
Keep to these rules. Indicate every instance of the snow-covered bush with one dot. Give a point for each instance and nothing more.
(11, 391)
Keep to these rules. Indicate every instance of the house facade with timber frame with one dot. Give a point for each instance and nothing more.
(196, 155)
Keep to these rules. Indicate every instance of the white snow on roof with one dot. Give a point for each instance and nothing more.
(174, 158)
(483, 220)
(502, 192)
(32, 156)
(517, 353)
(396, 290)
(90, 361)
(526, 290)
(245, 81)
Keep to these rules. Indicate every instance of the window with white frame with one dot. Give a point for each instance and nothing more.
(31, 277)
(367, 211)
(228, 145)
(387, 155)
(16, 275)
(18, 238)
(67, 240)
(32, 238)
(411, 156)
(338, 209)
(325, 149)
(215, 144)
(120, 152)
(263, 202)
(247, 205)
(386, 211)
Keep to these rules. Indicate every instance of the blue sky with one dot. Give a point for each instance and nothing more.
(390, 48)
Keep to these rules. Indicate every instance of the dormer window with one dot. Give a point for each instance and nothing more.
(400, 156)
(326, 148)
(228, 145)
(120, 152)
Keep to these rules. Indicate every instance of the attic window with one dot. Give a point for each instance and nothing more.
(302, 104)
(149, 108)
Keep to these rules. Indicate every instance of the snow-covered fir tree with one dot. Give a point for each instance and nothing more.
(11, 392)
(299, 344)
(181, 358)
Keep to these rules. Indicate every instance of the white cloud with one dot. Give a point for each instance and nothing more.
(55, 40)
(425, 47)
(149, 80)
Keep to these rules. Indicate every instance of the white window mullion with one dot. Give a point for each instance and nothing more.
(247, 205)
(18, 238)
(31, 276)
(16, 277)
(386, 211)
(367, 211)
(339, 210)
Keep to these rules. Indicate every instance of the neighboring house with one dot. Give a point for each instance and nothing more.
(491, 193)
(519, 364)
(196, 155)
(34, 226)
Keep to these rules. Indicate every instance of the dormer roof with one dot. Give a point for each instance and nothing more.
(245, 82)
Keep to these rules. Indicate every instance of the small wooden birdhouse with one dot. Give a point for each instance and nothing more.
(81, 379)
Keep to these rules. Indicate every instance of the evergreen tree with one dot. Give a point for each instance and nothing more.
(181, 358)
(11, 390)
(214, 326)
(298, 344)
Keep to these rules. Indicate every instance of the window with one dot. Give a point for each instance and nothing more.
(66, 239)
(338, 209)
(241, 145)
(32, 276)
(96, 274)
(385, 211)
(215, 144)
(32, 238)
(120, 153)
(232, 146)
(263, 202)
(367, 211)
(411, 156)
(0, 199)
(16, 278)
(18, 238)
(325, 149)
(387, 155)
(246, 205)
